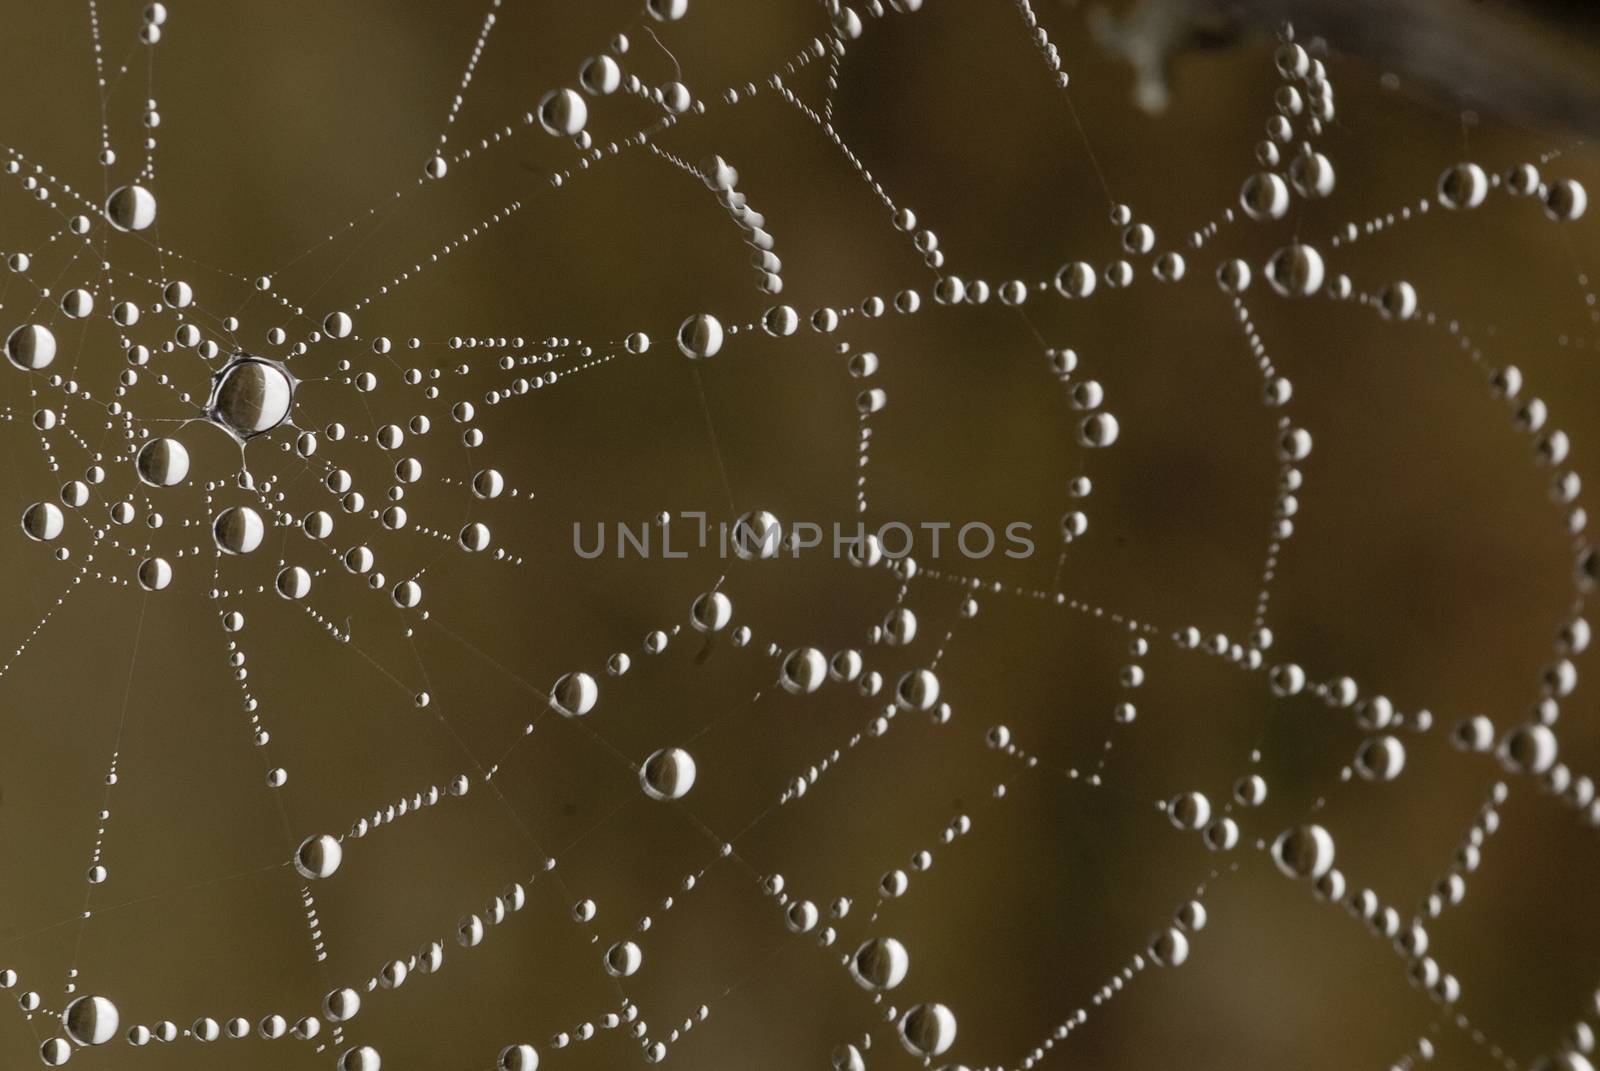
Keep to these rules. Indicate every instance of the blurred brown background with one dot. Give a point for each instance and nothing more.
(1428, 562)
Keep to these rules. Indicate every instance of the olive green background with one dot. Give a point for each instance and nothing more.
(1428, 562)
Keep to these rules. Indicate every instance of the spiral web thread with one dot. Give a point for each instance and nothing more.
(75, 271)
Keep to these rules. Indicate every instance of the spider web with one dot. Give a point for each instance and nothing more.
(368, 771)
